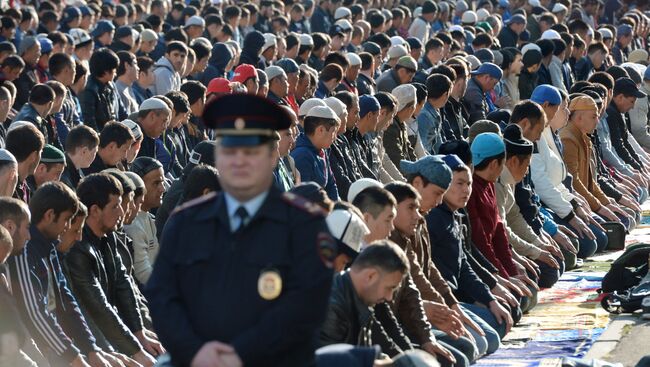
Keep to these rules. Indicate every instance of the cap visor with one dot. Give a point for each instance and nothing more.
(640, 94)
(243, 141)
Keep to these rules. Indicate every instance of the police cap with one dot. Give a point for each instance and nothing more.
(245, 120)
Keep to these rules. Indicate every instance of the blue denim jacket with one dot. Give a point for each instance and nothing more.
(429, 122)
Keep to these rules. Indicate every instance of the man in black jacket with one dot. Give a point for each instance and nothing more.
(54, 321)
(372, 279)
(625, 95)
(509, 35)
(98, 276)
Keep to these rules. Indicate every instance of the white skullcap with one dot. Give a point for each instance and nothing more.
(309, 104)
(154, 103)
(353, 59)
(269, 41)
(360, 185)
(6, 156)
(347, 227)
(551, 34)
(469, 17)
(336, 105)
(323, 112)
(482, 14)
(397, 51)
(405, 94)
(134, 127)
(342, 12)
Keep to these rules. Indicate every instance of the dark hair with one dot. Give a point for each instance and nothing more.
(80, 70)
(13, 62)
(596, 46)
(176, 34)
(320, 40)
(384, 255)
(420, 91)
(617, 72)
(23, 141)
(546, 46)
(374, 200)
(176, 46)
(483, 39)
(211, 19)
(125, 58)
(437, 85)
(7, 22)
(432, 44)
(402, 191)
(57, 87)
(445, 70)
(232, 11)
(55, 196)
(115, 132)
(97, 188)
(102, 61)
(376, 19)
(81, 136)
(201, 50)
(386, 100)
(179, 100)
(58, 62)
(603, 78)
(526, 109)
(200, 178)
(381, 39)
(560, 47)
(578, 25)
(292, 40)
(338, 59)
(194, 90)
(41, 94)
(6, 46)
(331, 71)
(13, 209)
(346, 97)
(154, 19)
(311, 123)
(366, 60)
(144, 63)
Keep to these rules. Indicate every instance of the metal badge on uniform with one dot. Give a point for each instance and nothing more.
(269, 285)
(240, 124)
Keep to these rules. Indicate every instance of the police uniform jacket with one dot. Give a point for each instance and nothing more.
(204, 286)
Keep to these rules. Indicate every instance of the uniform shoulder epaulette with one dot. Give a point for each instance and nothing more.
(194, 202)
(303, 204)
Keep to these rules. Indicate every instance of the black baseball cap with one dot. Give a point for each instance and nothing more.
(627, 87)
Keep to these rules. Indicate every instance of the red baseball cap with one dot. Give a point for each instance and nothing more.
(244, 72)
(219, 85)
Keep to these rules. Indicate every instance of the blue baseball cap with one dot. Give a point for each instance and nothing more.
(623, 30)
(486, 145)
(452, 161)
(103, 26)
(288, 65)
(490, 69)
(46, 45)
(367, 103)
(546, 93)
(431, 167)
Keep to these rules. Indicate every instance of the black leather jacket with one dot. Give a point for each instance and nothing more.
(350, 321)
(100, 282)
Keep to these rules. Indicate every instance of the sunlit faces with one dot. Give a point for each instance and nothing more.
(379, 286)
(382, 225)
(72, 235)
(408, 216)
(460, 190)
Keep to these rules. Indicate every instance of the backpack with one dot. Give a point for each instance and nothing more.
(624, 291)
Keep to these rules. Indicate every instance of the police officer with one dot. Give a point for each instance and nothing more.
(243, 276)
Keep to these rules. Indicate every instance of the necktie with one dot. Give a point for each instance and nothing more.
(242, 213)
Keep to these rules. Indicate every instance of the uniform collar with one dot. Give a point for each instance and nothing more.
(252, 206)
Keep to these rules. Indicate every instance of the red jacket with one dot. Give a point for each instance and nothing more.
(488, 230)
